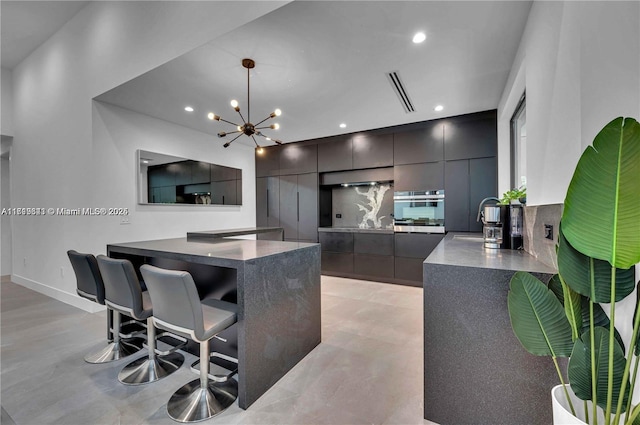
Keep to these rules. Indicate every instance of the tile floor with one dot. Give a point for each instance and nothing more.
(367, 370)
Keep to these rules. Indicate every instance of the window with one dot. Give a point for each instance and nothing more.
(519, 144)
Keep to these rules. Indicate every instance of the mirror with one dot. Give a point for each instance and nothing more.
(166, 179)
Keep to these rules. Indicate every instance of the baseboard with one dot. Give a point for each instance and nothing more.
(55, 293)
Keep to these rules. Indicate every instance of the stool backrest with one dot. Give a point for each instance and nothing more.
(174, 297)
(88, 278)
(121, 283)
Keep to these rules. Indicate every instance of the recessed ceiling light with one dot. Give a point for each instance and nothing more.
(343, 125)
(438, 108)
(145, 161)
(188, 108)
(419, 37)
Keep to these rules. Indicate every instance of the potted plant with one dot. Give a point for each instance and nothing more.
(598, 248)
(516, 194)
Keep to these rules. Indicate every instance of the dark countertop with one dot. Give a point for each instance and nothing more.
(467, 250)
(355, 230)
(224, 233)
(229, 251)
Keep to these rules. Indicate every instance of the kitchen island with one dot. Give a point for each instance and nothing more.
(276, 286)
(475, 370)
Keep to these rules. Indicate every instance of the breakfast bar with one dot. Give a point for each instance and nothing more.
(275, 284)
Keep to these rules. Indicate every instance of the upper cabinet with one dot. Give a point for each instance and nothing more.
(419, 177)
(296, 158)
(268, 162)
(417, 146)
(336, 155)
(470, 136)
(372, 150)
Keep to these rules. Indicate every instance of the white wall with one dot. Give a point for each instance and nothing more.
(580, 64)
(5, 220)
(56, 162)
(6, 103)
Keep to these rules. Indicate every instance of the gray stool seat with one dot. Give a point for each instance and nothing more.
(177, 308)
(89, 285)
(123, 293)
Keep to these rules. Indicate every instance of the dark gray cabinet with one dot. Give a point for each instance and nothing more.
(416, 245)
(467, 182)
(299, 206)
(423, 145)
(268, 162)
(297, 158)
(336, 241)
(373, 265)
(201, 172)
(471, 136)
(408, 269)
(337, 262)
(336, 155)
(371, 243)
(224, 192)
(483, 182)
(429, 176)
(372, 150)
(267, 202)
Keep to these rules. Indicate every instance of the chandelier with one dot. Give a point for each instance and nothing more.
(248, 128)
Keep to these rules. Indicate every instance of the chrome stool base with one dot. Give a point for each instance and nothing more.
(191, 403)
(116, 351)
(144, 371)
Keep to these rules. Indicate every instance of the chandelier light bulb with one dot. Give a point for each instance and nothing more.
(188, 108)
(278, 112)
(239, 128)
(211, 115)
(234, 103)
(259, 150)
(419, 37)
(275, 126)
(438, 108)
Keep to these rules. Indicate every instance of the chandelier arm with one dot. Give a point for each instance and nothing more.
(260, 134)
(231, 141)
(262, 128)
(229, 122)
(248, 97)
(229, 132)
(254, 141)
(241, 116)
(257, 124)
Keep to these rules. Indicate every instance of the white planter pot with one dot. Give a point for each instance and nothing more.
(562, 412)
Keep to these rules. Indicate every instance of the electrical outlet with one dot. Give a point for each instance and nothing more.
(338, 215)
(548, 231)
(125, 220)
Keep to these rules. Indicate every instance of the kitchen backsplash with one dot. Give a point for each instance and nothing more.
(363, 206)
(535, 242)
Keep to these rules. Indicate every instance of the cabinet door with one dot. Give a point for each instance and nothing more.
(429, 176)
(268, 162)
(373, 265)
(456, 192)
(471, 136)
(273, 201)
(416, 245)
(483, 182)
(161, 176)
(336, 262)
(371, 243)
(223, 193)
(222, 173)
(307, 206)
(298, 159)
(336, 241)
(372, 150)
(261, 202)
(182, 171)
(416, 146)
(336, 155)
(289, 206)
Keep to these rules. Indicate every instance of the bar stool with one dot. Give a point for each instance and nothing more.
(89, 285)
(178, 309)
(124, 295)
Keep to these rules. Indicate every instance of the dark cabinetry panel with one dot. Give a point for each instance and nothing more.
(429, 176)
(201, 172)
(224, 192)
(472, 136)
(298, 159)
(372, 150)
(268, 163)
(409, 269)
(337, 262)
(182, 171)
(373, 265)
(162, 176)
(424, 145)
(220, 173)
(369, 243)
(267, 202)
(456, 189)
(483, 182)
(416, 245)
(299, 206)
(336, 241)
(336, 155)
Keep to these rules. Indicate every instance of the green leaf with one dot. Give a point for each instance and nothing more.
(601, 217)
(572, 307)
(577, 270)
(600, 318)
(636, 349)
(579, 369)
(537, 317)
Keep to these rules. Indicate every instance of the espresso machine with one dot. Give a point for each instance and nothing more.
(492, 219)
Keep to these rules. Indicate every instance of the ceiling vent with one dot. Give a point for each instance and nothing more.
(401, 91)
